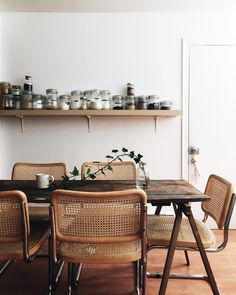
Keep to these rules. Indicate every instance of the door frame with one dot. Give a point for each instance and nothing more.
(185, 95)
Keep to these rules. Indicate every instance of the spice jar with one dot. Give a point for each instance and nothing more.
(166, 105)
(117, 102)
(8, 101)
(28, 86)
(95, 104)
(105, 97)
(38, 101)
(51, 99)
(4, 89)
(129, 103)
(142, 102)
(27, 100)
(76, 95)
(64, 102)
(83, 103)
(130, 89)
(153, 103)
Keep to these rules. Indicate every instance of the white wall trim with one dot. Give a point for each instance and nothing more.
(185, 95)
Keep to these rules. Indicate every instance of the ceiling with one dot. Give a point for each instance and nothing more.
(118, 6)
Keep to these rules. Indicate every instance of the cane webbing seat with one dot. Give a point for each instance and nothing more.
(18, 238)
(98, 228)
(159, 230)
(125, 170)
(28, 171)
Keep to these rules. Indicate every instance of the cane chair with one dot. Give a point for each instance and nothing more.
(28, 171)
(125, 170)
(219, 208)
(19, 240)
(99, 228)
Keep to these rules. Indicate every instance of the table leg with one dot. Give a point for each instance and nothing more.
(171, 250)
(188, 212)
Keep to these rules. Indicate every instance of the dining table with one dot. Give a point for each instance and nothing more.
(159, 193)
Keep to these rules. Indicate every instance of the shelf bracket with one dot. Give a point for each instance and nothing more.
(156, 124)
(89, 118)
(22, 123)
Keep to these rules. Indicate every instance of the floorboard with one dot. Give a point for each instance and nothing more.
(31, 278)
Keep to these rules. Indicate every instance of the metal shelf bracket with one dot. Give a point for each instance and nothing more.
(156, 123)
(89, 118)
(22, 123)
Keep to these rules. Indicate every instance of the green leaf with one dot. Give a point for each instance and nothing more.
(109, 157)
(124, 150)
(115, 151)
(131, 154)
(92, 176)
(75, 172)
(109, 168)
(120, 159)
(65, 178)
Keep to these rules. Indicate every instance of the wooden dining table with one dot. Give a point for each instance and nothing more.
(159, 193)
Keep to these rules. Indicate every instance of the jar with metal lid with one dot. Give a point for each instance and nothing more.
(51, 102)
(166, 105)
(95, 104)
(142, 102)
(27, 100)
(129, 102)
(16, 89)
(117, 102)
(8, 101)
(76, 95)
(105, 97)
(83, 103)
(17, 96)
(4, 89)
(64, 102)
(130, 89)
(153, 103)
(28, 86)
(38, 102)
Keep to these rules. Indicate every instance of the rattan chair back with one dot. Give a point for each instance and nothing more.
(221, 193)
(27, 171)
(125, 170)
(11, 226)
(89, 217)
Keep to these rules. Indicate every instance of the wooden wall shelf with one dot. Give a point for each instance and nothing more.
(89, 113)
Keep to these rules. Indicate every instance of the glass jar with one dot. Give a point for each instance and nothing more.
(105, 97)
(166, 105)
(143, 179)
(27, 100)
(51, 99)
(142, 102)
(76, 95)
(38, 102)
(83, 103)
(64, 102)
(153, 103)
(130, 89)
(95, 104)
(4, 89)
(28, 86)
(117, 102)
(129, 103)
(8, 101)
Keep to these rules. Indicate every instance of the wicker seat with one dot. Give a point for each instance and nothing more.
(125, 170)
(19, 240)
(27, 171)
(219, 207)
(99, 228)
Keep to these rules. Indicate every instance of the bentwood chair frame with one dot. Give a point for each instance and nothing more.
(19, 240)
(125, 170)
(99, 228)
(219, 207)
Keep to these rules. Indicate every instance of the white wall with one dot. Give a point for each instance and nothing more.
(84, 51)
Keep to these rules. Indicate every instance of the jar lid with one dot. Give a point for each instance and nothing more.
(51, 91)
(28, 77)
(77, 92)
(38, 96)
(16, 87)
(117, 96)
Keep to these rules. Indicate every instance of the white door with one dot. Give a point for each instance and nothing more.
(211, 87)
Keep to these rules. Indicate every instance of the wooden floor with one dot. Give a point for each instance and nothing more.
(31, 279)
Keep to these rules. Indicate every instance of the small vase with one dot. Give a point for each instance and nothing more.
(142, 180)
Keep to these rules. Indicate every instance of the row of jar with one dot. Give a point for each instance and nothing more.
(77, 100)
